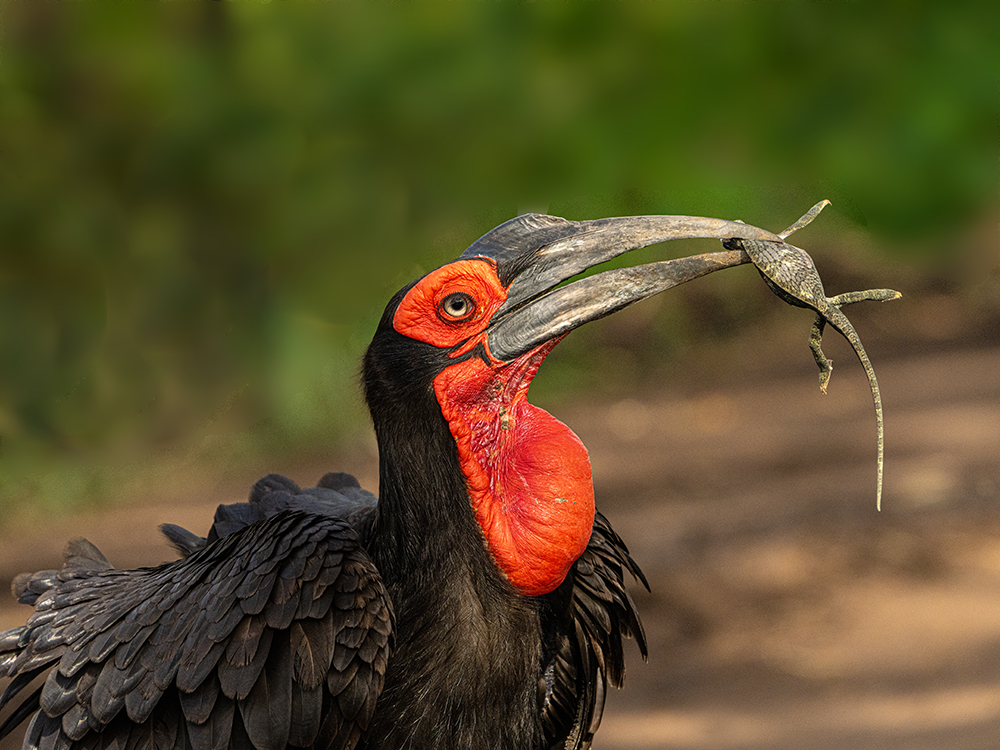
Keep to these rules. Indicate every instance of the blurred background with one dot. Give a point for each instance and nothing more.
(205, 206)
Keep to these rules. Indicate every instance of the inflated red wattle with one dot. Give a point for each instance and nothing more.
(528, 474)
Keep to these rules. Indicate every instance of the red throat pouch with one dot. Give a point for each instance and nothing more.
(528, 474)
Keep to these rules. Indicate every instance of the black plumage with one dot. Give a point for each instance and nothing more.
(179, 645)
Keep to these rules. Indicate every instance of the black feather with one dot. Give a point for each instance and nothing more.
(197, 705)
(215, 732)
(267, 710)
(25, 709)
(185, 542)
(312, 650)
(58, 693)
(305, 716)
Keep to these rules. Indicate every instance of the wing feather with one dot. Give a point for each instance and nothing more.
(592, 612)
(267, 711)
(312, 650)
(197, 705)
(306, 716)
(214, 732)
(277, 635)
(200, 660)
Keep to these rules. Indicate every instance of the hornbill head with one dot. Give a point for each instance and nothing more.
(461, 345)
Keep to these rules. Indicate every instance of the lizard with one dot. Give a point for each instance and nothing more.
(791, 274)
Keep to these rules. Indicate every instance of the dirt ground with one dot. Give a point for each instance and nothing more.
(785, 611)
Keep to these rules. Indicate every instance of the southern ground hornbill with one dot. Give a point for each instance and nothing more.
(480, 602)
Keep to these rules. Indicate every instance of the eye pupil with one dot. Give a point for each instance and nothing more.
(457, 306)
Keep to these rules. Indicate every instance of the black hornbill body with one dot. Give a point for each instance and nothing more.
(480, 602)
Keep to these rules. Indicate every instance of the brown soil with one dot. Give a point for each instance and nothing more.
(785, 612)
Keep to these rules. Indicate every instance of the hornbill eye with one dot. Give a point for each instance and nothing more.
(457, 307)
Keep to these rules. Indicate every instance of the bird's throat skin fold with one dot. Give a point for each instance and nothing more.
(528, 475)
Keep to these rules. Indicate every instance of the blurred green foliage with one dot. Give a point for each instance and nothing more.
(204, 206)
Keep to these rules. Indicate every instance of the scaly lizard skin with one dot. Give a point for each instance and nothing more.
(792, 276)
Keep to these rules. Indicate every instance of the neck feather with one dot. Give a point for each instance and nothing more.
(422, 523)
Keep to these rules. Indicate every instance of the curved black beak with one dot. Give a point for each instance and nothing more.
(535, 254)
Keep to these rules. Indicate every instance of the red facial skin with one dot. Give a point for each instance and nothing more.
(527, 473)
(419, 316)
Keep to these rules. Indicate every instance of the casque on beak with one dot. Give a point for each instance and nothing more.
(536, 253)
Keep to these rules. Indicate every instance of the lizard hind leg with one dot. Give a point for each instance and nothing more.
(815, 341)
(816, 334)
